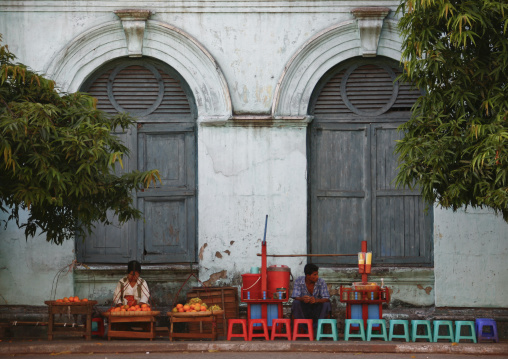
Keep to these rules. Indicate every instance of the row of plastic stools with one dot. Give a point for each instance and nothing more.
(258, 328)
(483, 329)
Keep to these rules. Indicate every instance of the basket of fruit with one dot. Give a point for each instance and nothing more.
(132, 310)
(71, 301)
(195, 307)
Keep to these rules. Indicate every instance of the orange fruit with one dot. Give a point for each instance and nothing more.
(84, 300)
(186, 307)
(179, 305)
(59, 300)
(181, 310)
(144, 305)
(203, 309)
(65, 299)
(76, 299)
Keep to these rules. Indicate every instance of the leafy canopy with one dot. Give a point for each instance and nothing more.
(455, 145)
(58, 157)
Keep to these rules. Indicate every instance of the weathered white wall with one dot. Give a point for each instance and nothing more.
(30, 269)
(244, 175)
(470, 259)
(246, 172)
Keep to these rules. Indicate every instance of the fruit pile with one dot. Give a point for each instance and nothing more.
(132, 308)
(193, 306)
(72, 300)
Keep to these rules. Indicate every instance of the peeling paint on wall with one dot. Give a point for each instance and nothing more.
(218, 255)
(426, 289)
(201, 250)
(215, 277)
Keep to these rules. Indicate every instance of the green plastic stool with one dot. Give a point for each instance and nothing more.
(414, 329)
(447, 323)
(458, 326)
(320, 334)
(405, 325)
(370, 328)
(347, 333)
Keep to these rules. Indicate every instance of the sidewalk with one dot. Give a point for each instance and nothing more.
(163, 345)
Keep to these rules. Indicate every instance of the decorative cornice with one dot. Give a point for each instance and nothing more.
(370, 22)
(258, 121)
(134, 23)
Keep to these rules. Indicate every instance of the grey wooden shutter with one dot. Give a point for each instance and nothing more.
(164, 139)
(357, 107)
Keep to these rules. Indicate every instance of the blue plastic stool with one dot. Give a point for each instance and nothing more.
(405, 325)
(482, 323)
(347, 329)
(447, 323)
(333, 324)
(426, 326)
(370, 328)
(458, 326)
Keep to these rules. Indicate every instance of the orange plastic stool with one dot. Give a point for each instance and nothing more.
(310, 330)
(281, 322)
(244, 333)
(264, 327)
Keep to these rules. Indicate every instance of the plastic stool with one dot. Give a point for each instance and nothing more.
(264, 328)
(446, 323)
(405, 325)
(414, 328)
(491, 335)
(320, 334)
(281, 322)
(347, 329)
(244, 333)
(100, 327)
(310, 330)
(370, 328)
(458, 327)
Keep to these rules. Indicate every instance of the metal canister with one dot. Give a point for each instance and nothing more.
(281, 293)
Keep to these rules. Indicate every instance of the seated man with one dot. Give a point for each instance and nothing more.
(311, 299)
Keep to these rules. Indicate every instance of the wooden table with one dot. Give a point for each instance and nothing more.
(193, 318)
(146, 318)
(74, 309)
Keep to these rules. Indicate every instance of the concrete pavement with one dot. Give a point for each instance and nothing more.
(100, 346)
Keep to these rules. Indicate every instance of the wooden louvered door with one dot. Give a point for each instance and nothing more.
(164, 139)
(357, 108)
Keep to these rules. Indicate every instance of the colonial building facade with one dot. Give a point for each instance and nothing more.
(253, 108)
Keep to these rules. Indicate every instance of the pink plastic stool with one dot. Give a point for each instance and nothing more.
(264, 327)
(310, 330)
(244, 334)
(281, 322)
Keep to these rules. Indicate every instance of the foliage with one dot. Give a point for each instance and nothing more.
(455, 145)
(58, 157)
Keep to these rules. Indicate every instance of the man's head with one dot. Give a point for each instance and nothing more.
(133, 271)
(311, 272)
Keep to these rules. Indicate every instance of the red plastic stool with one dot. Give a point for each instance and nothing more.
(264, 327)
(310, 330)
(244, 333)
(281, 322)
(100, 327)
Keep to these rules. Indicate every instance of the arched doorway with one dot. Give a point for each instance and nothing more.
(164, 138)
(357, 107)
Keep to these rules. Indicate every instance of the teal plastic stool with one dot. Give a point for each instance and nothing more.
(458, 326)
(347, 330)
(405, 325)
(333, 324)
(447, 324)
(370, 328)
(426, 326)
